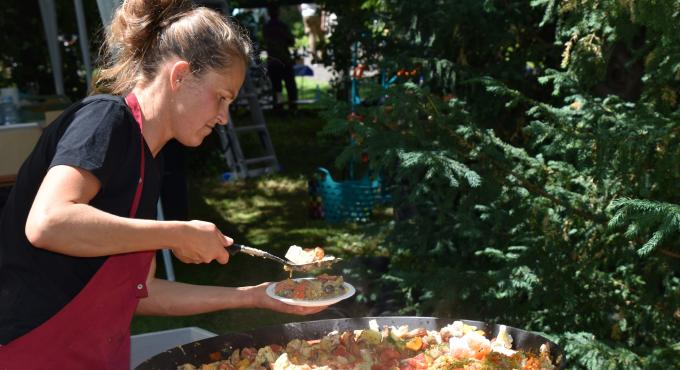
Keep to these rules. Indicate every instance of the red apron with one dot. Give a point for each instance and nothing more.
(93, 330)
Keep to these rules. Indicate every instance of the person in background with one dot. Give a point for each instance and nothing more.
(277, 40)
(78, 233)
(311, 17)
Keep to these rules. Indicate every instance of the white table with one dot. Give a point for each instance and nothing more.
(16, 143)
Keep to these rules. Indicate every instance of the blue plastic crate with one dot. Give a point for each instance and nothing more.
(349, 200)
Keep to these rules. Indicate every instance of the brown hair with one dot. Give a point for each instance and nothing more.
(144, 33)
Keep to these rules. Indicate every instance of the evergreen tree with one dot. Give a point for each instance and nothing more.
(535, 147)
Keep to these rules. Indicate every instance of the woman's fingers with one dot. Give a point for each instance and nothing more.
(300, 310)
(223, 255)
(295, 310)
(223, 258)
(203, 242)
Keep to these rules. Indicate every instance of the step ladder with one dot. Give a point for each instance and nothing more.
(240, 165)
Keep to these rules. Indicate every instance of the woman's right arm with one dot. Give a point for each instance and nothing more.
(62, 221)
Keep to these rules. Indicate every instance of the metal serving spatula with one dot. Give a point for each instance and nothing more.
(287, 265)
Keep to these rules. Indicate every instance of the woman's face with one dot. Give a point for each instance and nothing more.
(203, 102)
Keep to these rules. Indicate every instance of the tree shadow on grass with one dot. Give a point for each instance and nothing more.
(268, 213)
(279, 220)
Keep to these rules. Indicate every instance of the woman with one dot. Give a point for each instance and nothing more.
(78, 232)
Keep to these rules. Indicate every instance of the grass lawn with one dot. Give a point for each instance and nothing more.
(270, 213)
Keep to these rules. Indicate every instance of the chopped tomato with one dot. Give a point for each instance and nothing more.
(388, 354)
(299, 291)
(340, 350)
(418, 363)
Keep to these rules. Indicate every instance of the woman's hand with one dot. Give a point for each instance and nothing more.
(171, 298)
(260, 299)
(201, 242)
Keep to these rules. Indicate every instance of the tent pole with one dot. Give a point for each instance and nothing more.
(84, 42)
(106, 10)
(49, 16)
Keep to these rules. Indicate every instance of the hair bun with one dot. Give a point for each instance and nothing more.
(137, 22)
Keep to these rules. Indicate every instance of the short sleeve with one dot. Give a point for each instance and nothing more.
(98, 139)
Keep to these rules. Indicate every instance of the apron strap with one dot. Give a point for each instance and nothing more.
(133, 103)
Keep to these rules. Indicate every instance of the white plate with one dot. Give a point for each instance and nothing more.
(349, 291)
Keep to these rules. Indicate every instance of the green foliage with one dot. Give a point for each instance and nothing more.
(645, 215)
(533, 160)
(596, 355)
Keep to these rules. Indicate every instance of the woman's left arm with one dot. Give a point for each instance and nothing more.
(168, 298)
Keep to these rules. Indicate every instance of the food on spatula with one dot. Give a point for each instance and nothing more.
(320, 287)
(302, 256)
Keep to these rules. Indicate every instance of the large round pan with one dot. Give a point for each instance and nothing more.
(203, 351)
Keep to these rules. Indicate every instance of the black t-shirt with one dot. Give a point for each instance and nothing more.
(98, 134)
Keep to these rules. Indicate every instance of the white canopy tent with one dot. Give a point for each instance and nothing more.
(49, 18)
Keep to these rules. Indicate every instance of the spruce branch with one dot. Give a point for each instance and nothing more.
(641, 214)
(523, 181)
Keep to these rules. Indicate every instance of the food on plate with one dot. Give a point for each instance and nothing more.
(302, 256)
(455, 346)
(320, 287)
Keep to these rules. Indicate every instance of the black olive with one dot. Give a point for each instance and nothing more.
(329, 289)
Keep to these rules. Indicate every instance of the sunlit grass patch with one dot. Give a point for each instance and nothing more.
(269, 212)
